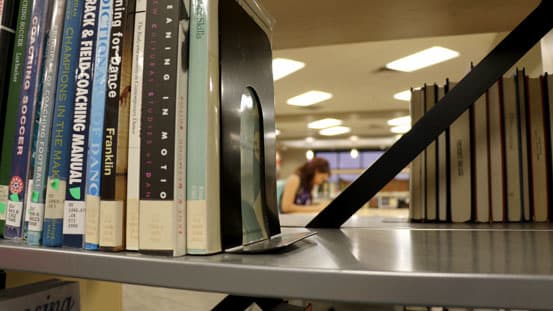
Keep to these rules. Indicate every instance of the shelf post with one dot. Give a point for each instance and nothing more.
(435, 121)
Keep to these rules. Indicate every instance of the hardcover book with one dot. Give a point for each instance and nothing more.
(496, 151)
(431, 159)
(524, 139)
(116, 127)
(133, 181)
(47, 99)
(480, 160)
(513, 152)
(25, 122)
(96, 125)
(539, 184)
(460, 164)
(11, 105)
(416, 183)
(58, 166)
(163, 141)
(74, 221)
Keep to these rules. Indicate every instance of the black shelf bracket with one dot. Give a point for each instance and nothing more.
(503, 57)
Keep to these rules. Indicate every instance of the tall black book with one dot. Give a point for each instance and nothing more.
(8, 19)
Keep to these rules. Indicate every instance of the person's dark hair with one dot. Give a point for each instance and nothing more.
(307, 171)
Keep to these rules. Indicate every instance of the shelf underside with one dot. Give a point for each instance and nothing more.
(493, 266)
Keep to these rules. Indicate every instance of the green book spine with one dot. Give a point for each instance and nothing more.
(6, 152)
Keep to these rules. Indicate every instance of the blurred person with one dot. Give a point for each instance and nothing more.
(296, 194)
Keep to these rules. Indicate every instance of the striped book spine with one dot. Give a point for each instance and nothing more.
(96, 128)
(58, 166)
(74, 206)
(28, 102)
(162, 153)
(8, 134)
(49, 78)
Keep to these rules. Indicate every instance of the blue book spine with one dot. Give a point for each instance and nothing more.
(28, 98)
(58, 166)
(74, 207)
(49, 78)
(96, 128)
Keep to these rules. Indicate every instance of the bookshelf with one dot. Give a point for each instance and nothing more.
(452, 265)
(412, 264)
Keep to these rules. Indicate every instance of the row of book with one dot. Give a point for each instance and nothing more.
(95, 139)
(494, 163)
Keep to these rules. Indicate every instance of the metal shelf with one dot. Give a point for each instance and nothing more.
(492, 266)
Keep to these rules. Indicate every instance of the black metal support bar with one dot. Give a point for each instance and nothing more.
(435, 121)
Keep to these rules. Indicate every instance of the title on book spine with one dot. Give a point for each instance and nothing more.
(82, 95)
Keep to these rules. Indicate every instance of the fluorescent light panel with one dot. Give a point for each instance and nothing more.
(400, 121)
(405, 96)
(423, 59)
(283, 67)
(401, 129)
(309, 98)
(324, 123)
(336, 130)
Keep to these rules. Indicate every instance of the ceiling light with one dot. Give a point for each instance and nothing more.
(354, 153)
(405, 96)
(309, 155)
(400, 121)
(324, 123)
(309, 98)
(283, 67)
(401, 129)
(277, 132)
(336, 130)
(422, 59)
(309, 140)
(354, 138)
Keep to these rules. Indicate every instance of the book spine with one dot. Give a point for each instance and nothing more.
(8, 15)
(496, 152)
(133, 182)
(58, 162)
(415, 183)
(203, 168)
(116, 124)
(162, 141)
(96, 127)
(538, 144)
(28, 98)
(460, 157)
(74, 206)
(512, 152)
(442, 168)
(480, 160)
(49, 78)
(431, 166)
(10, 109)
(548, 94)
(524, 139)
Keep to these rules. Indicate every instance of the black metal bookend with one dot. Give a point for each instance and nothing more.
(435, 121)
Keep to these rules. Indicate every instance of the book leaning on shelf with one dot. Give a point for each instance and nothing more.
(10, 105)
(163, 126)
